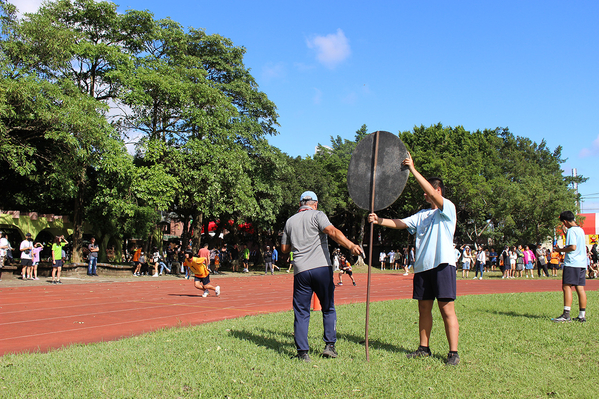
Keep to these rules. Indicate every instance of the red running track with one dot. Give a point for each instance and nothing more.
(43, 317)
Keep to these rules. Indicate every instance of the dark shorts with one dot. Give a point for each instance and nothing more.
(58, 263)
(348, 272)
(439, 283)
(203, 280)
(26, 262)
(574, 276)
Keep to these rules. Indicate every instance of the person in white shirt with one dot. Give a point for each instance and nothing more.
(26, 256)
(434, 267)
(575, 266)
(481, 260)
(3, 249)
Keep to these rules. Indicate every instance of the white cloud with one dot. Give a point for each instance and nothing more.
(24, 6)
(331, 49)
(272, 71)
(590, 152)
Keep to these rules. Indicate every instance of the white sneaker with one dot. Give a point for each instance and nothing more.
(217, 290)
(155, 275)
(480, 278)
(474, 278)
(405, 274)
(205, 294)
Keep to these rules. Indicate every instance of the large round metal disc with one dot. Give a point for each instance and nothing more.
(388, 174)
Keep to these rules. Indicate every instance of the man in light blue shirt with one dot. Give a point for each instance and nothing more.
(434, 268)
(575, 266)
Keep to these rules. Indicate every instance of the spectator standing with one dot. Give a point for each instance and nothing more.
(382, 257)
(466, 261)
(57, 258)
(3, 250)
(505, 262)
(214, 260)
(26, 256)
(481, 261)
(37, 248)
(513, 260)
(519, 260)
(542, 260)
(574, 274)
(136, 261)
(268, 261)
(94, 250)
(529, 259)
(205, 253)
(493, 258)
(390, 259)
(398, 260)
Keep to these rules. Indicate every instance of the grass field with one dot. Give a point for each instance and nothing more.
(508, 346)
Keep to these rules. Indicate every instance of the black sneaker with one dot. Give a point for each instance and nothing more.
(303, 356)
(329, 351)
(580, 319)
(420, 352)
(453, 359)
(561, 319)
(354, 283)
(58, 282)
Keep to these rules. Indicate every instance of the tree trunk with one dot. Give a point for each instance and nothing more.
(196, 236)
(77, 256)
(102, 246)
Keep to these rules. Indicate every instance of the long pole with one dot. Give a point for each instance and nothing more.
(376, 154)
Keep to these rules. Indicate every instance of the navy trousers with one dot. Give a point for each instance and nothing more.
(320, 282)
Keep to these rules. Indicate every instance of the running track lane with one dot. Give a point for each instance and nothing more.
(41, 318)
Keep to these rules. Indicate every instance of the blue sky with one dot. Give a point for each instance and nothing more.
(332, 66)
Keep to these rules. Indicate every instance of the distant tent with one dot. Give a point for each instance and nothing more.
(245, 227)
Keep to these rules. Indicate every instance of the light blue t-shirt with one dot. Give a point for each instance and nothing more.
(578, 257)
(433, 230)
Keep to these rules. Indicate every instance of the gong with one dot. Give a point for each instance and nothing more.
(375, 170)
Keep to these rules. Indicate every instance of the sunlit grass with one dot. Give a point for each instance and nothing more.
(508, 346)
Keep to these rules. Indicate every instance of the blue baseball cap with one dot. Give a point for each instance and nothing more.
(308, 196)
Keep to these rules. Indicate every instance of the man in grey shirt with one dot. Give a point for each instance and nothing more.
(306, 234)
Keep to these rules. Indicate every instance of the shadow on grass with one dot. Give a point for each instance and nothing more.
(269, 339)
(372, 344)
(266, 339)
(514, 314)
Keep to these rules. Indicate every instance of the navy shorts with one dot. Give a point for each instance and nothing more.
(58, 263)
(574, 276)
(26, 262)
(439, 283)
(203, 280)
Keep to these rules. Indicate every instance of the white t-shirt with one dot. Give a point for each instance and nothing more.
(433, 229)
(26, 245)
(578, 257)
(3, 243)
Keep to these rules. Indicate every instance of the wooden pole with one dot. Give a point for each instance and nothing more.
(376, 154)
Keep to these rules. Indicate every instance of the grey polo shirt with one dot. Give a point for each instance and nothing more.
(303, 231)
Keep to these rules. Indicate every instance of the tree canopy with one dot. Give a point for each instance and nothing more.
(78, 81)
